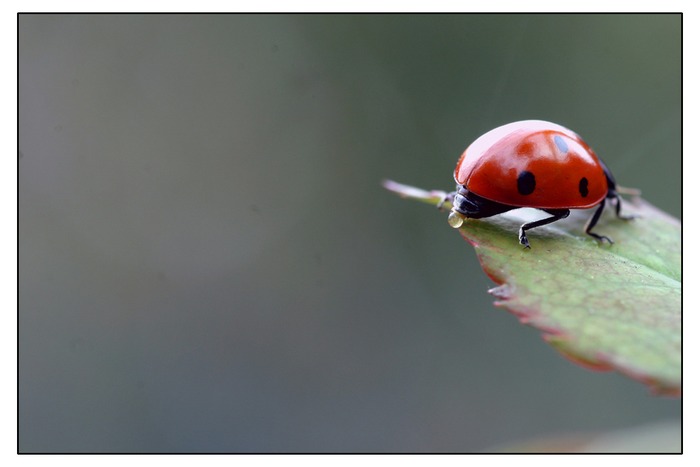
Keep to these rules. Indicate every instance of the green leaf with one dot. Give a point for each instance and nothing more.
(607, 307)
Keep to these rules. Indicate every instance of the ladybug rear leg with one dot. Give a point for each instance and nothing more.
(594, 220)
(596, 215)
(556, 215)
(618, 205)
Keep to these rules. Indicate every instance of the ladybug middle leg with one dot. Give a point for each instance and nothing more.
(556, 215)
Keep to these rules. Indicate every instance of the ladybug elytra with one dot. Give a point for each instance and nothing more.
(533, 164)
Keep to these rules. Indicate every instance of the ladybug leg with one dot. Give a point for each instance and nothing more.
(448, 197)
(594, 220)
(612, 194)
(556, 215)
(618, 206)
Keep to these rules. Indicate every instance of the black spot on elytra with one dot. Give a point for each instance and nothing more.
(583, 187)
(526, 182)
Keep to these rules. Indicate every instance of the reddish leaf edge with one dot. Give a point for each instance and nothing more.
(558, 338)
(503, 292)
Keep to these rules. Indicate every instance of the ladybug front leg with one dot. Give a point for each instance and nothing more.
(447, 197)
(556, 215)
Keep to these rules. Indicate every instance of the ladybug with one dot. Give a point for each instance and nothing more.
(534, 164)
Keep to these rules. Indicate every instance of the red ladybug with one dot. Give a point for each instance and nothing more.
(533, 164)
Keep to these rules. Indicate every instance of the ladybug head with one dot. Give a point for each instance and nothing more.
(468, 205)
(462, 208)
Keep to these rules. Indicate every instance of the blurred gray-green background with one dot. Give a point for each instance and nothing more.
(208, 262)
